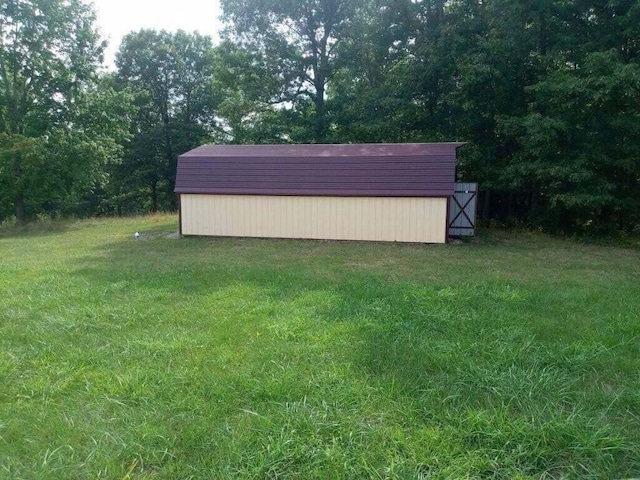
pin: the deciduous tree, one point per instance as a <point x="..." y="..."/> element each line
<point x="49" y="56"/>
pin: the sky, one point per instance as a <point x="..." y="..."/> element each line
<point x="116" y="18"/>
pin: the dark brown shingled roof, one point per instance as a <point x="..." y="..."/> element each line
<point x="405" y="170"/>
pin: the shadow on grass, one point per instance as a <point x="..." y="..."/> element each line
<point x="35" y="230"/>
<point x="406" y="328"/>
<point x="455" y="352"/>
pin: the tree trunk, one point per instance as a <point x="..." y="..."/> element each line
<point x="154" y="196"/>
<point x="320" y="133"/>
<point x="486" y="205"/>
<point x="19" y="197"/>
<point x="19" y="204"/>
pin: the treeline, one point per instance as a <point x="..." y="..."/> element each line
<point x="545" y="92"/>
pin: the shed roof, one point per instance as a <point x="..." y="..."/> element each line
<point x="407" y="170"/>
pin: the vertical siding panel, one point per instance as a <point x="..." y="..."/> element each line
<point x="437" y="216"/>
<point x="417" y="221"/>
<point x="404" y="214"/>
<point x="314" y="219"/>
<point x="421" y="219"/>
<point x="337" y="220"/>
<point x="197" y="219"/>
<point x="187" y="212"/>
<point x="343" y="218"/>
<point x="252" y="227"/>
<point x="363" y="211"/>
<point x="239" y="214"/>
<point x="264" y="214"/>
<point x="425" y="228"/>
<point x="214" y="216"/>
<point x="319" y="217"/>
<point x="380" y="206"/>
<point x="271" y="218"/>
<point x="335" y="233"/>
<point x="293" y="223"/>
<point x="258" y="214"/>
<point x="399" y="224"/>
<point x="217" y="221"/>
<point x="261" y="223"/>
<point x="359" y="225"/>
<point x="428" y="211"/>
<point x="390" y="232"/>
<point x="414" y="218"/>
<point x="201" y="217"/>
<point x="391" y="219"/>
<point x="223" y="216"/>
<point x="234" y="223"/>
<point x="243" y="214"/>
<point x="280" y="214"/>
<point x="273" y="227"/>
<point x="351" y="208"/>
<point x="277" y="216"/>
<point x="325" y="219"/>
<point x="308" y="217"/>
<point x="380" y="218"/>
<point x="362" y="225"/>
<point x="286" y="232"/>
<point x="356" y="226"/>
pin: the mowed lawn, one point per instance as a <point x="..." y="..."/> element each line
<point x="512" y="356"/>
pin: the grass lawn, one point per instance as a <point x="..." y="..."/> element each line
<point x="513" y="356"/>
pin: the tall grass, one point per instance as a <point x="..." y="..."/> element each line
<point x="513" y="356"/>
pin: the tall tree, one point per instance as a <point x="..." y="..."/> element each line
<point x="49" y="54"/>
<point x="171" y="76"/>
<point x="297" y="40"/>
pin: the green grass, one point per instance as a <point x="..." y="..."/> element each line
<point x="512" y="356"/>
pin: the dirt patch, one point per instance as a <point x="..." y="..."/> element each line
<point x="153" y="236"/>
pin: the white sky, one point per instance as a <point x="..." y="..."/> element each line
<point x="116" y="18"/>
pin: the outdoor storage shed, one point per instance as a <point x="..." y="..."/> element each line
<point x="379" y="192"/>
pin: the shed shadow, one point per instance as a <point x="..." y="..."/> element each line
<point x="384" y="316"/>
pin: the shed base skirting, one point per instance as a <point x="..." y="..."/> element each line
<point x="400" y="219"/>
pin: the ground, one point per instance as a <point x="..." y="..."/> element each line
<point x="512" y="356"/>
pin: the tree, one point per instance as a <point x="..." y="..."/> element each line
<point x="294" y="41"/>
<point x="49" y="55"/>
<point x="171" y="76"/>
<point x="544" y="92"/>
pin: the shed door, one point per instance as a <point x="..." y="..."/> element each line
<point x="462" y="210"/>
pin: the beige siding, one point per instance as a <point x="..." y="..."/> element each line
<point x="334" y="218"/>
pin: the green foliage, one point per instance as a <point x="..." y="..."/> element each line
<point x="513" y="356"/>
<point x="580" y="144"/>
<point x="57" y="125"/>
<point x="545" y="93"/>
<point x="171" y="78"/>
<point x="294" y="44"/>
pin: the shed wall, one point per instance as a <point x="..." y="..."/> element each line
<point x="402" y="219"/>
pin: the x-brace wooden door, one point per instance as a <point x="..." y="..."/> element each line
<point x="462" y="210"/>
